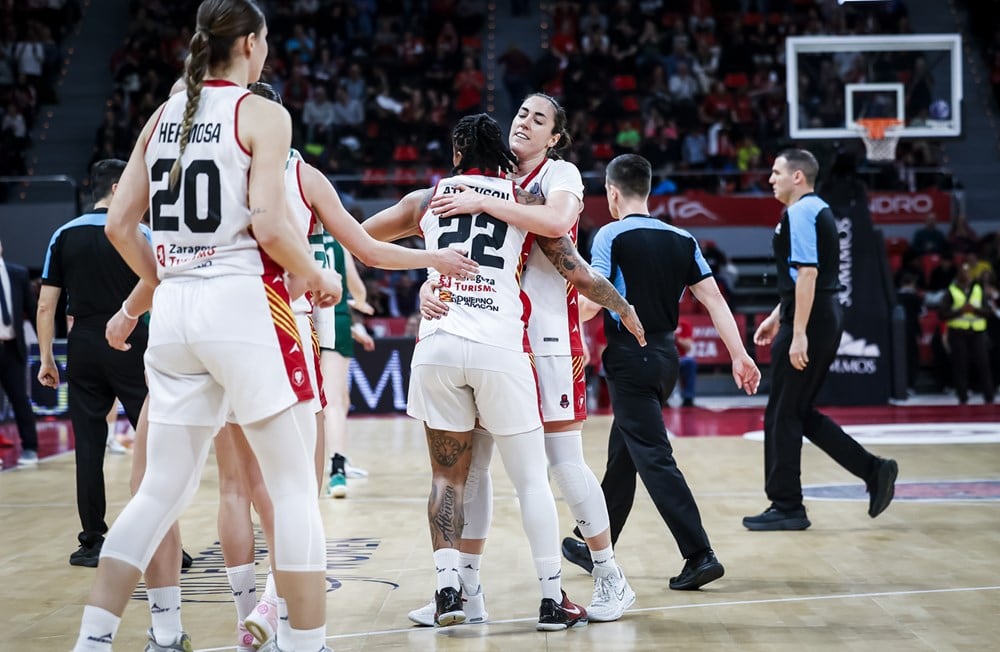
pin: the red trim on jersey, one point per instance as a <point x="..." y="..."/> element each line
<point x="236" y="120"/>
<point x="218" y="83"/>
<point x="525" y="301"/>
<point x="573" y="308"/>
<point x="152" y="132"/>
<point x="288" y="336"/>
<point x="534" y="173"/>
<point x="579" y="389"/>
<point x="481" y="173"/>
<point x="316" y="356"/>
<point x="302" y="192"/>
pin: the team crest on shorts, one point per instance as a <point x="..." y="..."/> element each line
<point x="564" y="402"/>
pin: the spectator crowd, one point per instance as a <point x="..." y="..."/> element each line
<point x="32" y="33"/>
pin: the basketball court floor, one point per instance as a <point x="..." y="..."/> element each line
<point x="925" y="575"/>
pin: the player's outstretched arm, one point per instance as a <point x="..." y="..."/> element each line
<point x="563" y="255"/>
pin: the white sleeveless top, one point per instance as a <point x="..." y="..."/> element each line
<point x="201" y="225"/>
<point x="490" y="308"/>
<point x="554" y="327"/>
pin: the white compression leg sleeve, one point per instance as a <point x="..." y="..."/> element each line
<point x="284" y="445"/>
<point x="523" y="457"/>
<point x="577" y="482"/>
<point x="478" y="501"/>
<point x="167" y="487"/>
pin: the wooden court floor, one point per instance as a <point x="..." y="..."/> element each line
<point x="923" y="576"/>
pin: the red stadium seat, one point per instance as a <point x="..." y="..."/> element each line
<point x="623" y="82"/>
<point x="630" y="104"/>
<point x="602" y="151"/>
<point x="736" y="80"/>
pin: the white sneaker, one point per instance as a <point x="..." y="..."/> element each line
<point x="424" y="616"/>
<point x="262" y="622"/>
<point x="612" y="596"/>
<point x="114" y="446"/>
<point x="474" y="607"/>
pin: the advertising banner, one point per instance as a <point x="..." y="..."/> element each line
<point x="861" y="373"/>
<point x="379" y="379"/>
<point x="699" y="209"/>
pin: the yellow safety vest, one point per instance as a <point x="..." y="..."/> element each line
<point x="967" y="321"/>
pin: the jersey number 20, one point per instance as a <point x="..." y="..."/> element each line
<point x="200" y="172"/>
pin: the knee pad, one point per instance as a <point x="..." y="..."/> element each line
<point x="572" y="480"/>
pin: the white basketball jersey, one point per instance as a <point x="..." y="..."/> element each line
<point x="304" y="217"/>
<point x="489" y="308"/>
<point x="554" y="327"/>
<point x="201" y="225"/>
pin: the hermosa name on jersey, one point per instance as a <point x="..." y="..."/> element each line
<point x="201" y="132"/>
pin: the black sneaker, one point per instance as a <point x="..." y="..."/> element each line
<point x="881" y="486"/>
<point x="448" y="607"/>
<point x="697" y="572"/>
<point x="186" y="560"/>
<point x="86" y="556"/>
<point x="773" y="518"/>
<point x="578" y="553"/>
<point x="554" y="616"/>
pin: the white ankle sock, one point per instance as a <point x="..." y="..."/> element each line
<point x="604" y="562"/>
<point x="308" y="639"/>
<point x="284" y="632"/>
<point x="243" y="582"/>
<point x="446" y="561"/>
<point x="549" y="574"/>
<point x="165" y="612"/>
<point x="468" y="571"/>
<point x="97" y="628"/>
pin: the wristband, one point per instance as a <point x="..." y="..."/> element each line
<point x="125" y="312"/>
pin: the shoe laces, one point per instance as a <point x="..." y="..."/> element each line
<point x="603" y="589"/>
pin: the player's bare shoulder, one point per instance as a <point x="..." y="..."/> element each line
<point x="259" y="115"/>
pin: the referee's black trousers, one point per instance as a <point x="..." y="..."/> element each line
<point x="791" y="411"/>
<point x="96" y="374"/>
<point x="640" y="381"/>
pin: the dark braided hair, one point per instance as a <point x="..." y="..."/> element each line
<point x="265" y="90"/>
<point x="482" y="144"/>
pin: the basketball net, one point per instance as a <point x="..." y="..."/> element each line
<point x="880" y="137"/>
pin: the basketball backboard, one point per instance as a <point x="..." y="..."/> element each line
<point x="832" y="81"/>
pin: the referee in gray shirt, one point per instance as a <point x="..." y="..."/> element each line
<point x="651" y="264"/>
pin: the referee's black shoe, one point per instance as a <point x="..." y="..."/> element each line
<point x="697" y="572"/>
<point x="881" y="486"/>
<point x="773" y="518"/>
<point x="577" y="552"/>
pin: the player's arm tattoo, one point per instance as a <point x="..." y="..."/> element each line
<point x="562" y="253"/>
<point x="425" y="201"/>
<point x="524" y="197"/>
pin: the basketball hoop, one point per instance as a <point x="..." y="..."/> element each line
<point x="880" y="136"/>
